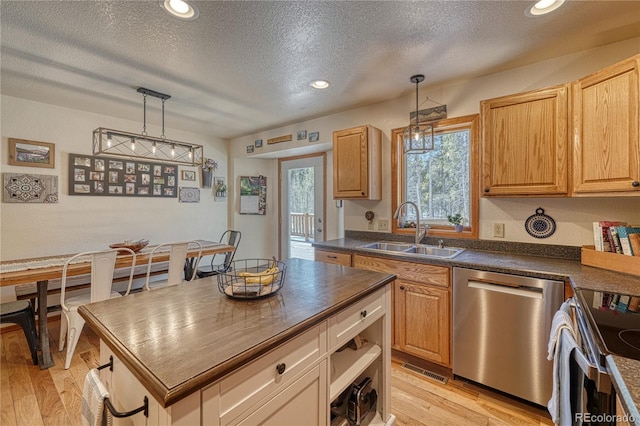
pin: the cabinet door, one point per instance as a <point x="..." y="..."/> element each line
<point x="423" y="325"/>
<point x="606" y="140"/>
<point x="302" y="403"/>
<point x="357" y="163"/>
<point x="524" y="143"/>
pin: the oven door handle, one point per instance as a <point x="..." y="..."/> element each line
<point x="590" y="367"/>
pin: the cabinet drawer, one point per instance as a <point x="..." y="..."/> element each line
<point x="246" y="386"/>
<point x="343" y="259"/>
<point x="347" y="323"/>
<point x="418" y="272"/>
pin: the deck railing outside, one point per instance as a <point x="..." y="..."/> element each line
<point x="301" y="225"/>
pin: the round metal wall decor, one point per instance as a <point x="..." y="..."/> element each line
<point x="540" y="225"/>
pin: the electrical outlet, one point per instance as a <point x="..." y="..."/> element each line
<point x="370" y="225"/>
<point x="498" y="230"/>
<point x="383" y="224"/>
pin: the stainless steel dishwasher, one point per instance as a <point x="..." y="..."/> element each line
<point x="501" y="326"/>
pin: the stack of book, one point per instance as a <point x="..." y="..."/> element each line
<point x="616" y="302"/>
<point x="616" y="237"/>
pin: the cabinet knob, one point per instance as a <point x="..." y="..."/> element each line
<point x="362" y="193"/>
<point x="363" y="314"/>
<point x="486" y="190"/>
<point x="635" y="184"/>
<point x="281" y="367"/>
<point x="401" y="287"/>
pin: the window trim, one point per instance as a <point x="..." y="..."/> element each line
<point x="397" y="163"/>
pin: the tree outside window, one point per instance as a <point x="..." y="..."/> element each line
<point x="442" y="182"/>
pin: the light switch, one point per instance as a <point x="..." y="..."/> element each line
<point x="383" y="224"/>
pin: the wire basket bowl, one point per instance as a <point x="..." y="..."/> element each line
<point x="252" y="278"/>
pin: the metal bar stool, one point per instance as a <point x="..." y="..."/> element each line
<point x="20" y="312"/>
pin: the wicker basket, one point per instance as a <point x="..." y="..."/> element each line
<point x="252" y="278"/>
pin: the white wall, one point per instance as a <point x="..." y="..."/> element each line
<point x="78" y="223"/>
<point x="573" y="216"/>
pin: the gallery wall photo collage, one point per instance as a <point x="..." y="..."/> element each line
<point x="104" y="176"/>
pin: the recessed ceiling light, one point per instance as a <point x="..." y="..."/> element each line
<point x="320" y="84"/>
<point x="542" y="7"/>
<point x="182" y="9"/>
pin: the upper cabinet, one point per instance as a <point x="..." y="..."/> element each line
<point x="540" y="143"/>
<point x="357" y="163"/>
<point x="524" y="143"/>
<point x="606" y="155"/>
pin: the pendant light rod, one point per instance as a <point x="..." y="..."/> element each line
<point x="144" y="114"/>
<point x="417" y="79"/>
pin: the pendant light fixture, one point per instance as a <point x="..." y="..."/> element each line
<point x="417" y="138"/>
<point x="131" y="145"/>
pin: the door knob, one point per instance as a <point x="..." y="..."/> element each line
<point x="635" y="184"/>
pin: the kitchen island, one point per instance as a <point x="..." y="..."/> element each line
<point x="204" y="358"/>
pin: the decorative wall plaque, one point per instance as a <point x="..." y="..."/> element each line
<point x="285" y="138"/>
<point x="28" y="188"/>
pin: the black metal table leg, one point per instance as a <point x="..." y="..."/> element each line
<point x="46" y="360"/>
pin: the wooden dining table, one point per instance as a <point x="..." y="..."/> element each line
<point x="43" y="269"/>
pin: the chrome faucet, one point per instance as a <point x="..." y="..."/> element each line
<point x="419" y="233"/>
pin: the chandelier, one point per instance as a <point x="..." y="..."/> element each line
<point x="125" y="144"/>
<point x="417" y="137"/>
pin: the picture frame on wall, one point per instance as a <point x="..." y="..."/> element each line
<point x="249" y="149"/>
<point x="28" y="153"/>
<point x="302" y="135"/>
<point x="314" y="136"/>
<point x="258" y="143"/>
<point x="188" y="175"/>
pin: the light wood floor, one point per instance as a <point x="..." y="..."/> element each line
<point x="30" y="396"/>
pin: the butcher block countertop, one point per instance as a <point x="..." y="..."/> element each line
<point x="178" y="339"/>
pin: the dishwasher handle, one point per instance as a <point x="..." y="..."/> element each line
<point x="522" y="291"/>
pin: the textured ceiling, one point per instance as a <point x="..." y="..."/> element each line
<point x="242" y="67"/>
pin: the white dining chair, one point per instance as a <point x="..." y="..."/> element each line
<point x="177" y="258"/>
<point x="102" y="268"/>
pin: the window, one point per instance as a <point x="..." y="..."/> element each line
<point x="441" y="182"/>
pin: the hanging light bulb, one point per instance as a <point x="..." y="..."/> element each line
<point x="153" y="148"/>
<point x="190" y="153"/>
<point x="417" y="139"/>
<point x="109" y="140"/>
<point x="133" y="144"/>
<point x="173" y="150"/>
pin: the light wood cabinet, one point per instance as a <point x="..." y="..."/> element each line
<point x="622" y="418"/>
<point x="421" y="311"/>
<point x="357" y="163"/>
<point x="606" y="116"/>
<point x="524" y="143"/>
<point x="422" y="321"/>
<point x="333" y="257"/>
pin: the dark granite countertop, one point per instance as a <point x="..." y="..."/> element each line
<point x="553" y="268"/>
<point x="626" y="371"/>
<point x="549" y="262"/>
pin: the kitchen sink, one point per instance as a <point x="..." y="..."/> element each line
<point x="383" y="246"/>
<point x="413" y="250"/>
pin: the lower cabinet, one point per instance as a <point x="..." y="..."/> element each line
<point x="294" y="384"/>
<point x="421" y="309"/>
<point x="422" y="321"/>
<point x="302" y="403"/>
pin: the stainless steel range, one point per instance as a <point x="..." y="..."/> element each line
<point x="614" y="319"/>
